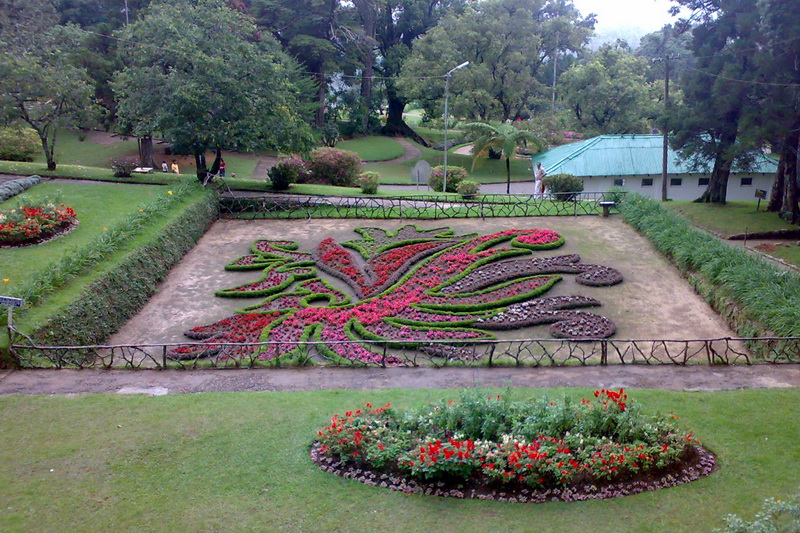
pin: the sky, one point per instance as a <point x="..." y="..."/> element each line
<point x="649" y="15"/>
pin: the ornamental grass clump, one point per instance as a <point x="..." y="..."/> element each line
<point x="598" y="447"/>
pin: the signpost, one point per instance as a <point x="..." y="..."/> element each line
<point x="421" y="173"/>
<point x="761" y="194"/>
<point x="11" y="303"/>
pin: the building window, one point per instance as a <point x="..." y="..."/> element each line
<point x="676" y="182"/>
<point x="619" y="182"/>
<point x="647" y="182"/>
<point x="702" y="181"/>
<point x="747" y="182"/>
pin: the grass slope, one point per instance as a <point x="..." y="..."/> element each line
<point x="97" y="205"/>
<point x="238" y="462"/>
<point x="373" y="148"/>
<point x="729" y="219"/>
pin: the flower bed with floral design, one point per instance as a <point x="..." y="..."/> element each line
<point x="491" y="448"/>
<point x="35" y="223"/>
<point x="412" y="286"/>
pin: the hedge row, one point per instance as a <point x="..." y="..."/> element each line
<point x="12" y="188"/>
<point x="59" y="272"/>
<point x="756" y="297"/>
<point x="107" y="303"/>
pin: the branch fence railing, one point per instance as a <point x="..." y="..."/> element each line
<point x="421" y="206"/>
<point x="522" y="352"/>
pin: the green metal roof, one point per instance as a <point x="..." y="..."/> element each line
<point x="624" y="155"/>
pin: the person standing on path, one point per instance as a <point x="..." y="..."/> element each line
<point x="538" y="181"/>
<point x="222" y="168"/>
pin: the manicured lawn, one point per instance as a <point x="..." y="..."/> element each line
<point x="97" y="205"/>
<point x="238" y="462"/>
<point x="70" y="150"/>
<point x="730" y="219"/>
<point x="87" y="173"/>
<point x="373" y="148"/>
<point x="788" y="252"/>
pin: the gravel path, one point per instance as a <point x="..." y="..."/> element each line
<point x="154" y="382"/>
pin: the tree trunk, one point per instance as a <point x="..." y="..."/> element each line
<point x="508" y="175"/>
<point x="215" y="165"/>
<point x="49" y="147"/>
<point x="717" y="191"/>
<point x="146" y="151"/>
<point x="200" y="163"/>
<point x="319" y="118"/>
<point x="367" y="11"/>
<point x="395" y="125"/>
<point x="790" y="210"/>
<point x="776" y="195"/>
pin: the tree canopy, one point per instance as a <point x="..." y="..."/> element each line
<point x="198" y="74"/>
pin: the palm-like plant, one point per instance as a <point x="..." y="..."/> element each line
<point x="503" y="137"/>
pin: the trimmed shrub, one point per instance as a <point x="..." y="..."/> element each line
<point x="107" y="303"/>
<point x="123" y="166"/>
<point x="455" y="175"/>
<point x="368" y="181"/>
<point x="290" y="169"/>
<point x="19" y="144"/>
<point x="14" y="187"/>
<point x="563" y="187"/>
<point x="331" y="166"/>
<point x="468" y="188"/>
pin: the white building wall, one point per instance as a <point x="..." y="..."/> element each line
<point x="688" y="189"/>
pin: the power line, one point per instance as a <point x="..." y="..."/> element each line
<point x="751" y="82"/>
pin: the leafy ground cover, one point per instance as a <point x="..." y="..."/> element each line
<point x="173" y="463"/>
<point x="730" y="219"/>
<point x="373" y="148"/>
<point x="787" y="252"/>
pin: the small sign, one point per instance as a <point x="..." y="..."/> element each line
<point x="421" y="172"/>
<point x="761" y="194"/>
<point x="7" y="301"/>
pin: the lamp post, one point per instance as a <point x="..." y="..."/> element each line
<point x="446" y="115"/>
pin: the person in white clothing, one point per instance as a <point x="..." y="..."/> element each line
<point x="538" y="181"/>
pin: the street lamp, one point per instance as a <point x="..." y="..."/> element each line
<point x="446" y="115"/>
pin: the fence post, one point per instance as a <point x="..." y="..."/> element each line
<point x="383" y="361"/>
<point x="491" y="354"/>
<point x="604" y="352"/>
<point x="164" y="357"/>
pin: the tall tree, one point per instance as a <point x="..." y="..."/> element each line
<point x="608" y="92"/>
<point x="717" y="91"/>
<point x="508" y="44"/>
<point x="38" y="84"/>
<point x="503" y="138"/>
<point x="197" y="74"/>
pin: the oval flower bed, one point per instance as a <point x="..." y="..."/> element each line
<point x="35" y="223"/>
<point x="491" y="448"/>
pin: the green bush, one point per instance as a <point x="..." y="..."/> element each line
<point x="563" y="187"/>
<point x="455" y="175"/>
<point x="19" y="144"/>
<point x="368" y="181"/>
<point x="107" y="303"/>
<point x="775" y="516"/>
<point x="289" y="170"/>
<point x="757" y="298"/>
<point x="123" y="166"/>
<point x="331" y="166"/>
<point x="468" y="188"/>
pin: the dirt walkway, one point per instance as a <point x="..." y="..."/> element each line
<point x="154" y="382"/>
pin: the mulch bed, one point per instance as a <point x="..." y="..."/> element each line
<point x="699" y="462"/>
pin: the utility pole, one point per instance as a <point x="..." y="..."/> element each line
<point x="447" y="116"/>
<point x="665" y="149"/>
<point x="127" y="21"/>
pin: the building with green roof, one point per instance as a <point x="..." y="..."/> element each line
<point x="634" y="162"/>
